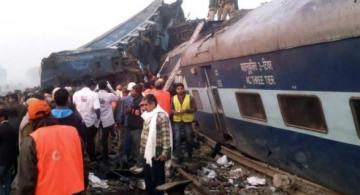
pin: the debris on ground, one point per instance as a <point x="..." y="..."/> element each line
<point x="255" y="181"/>
<point x="224" y="162"/>
<point x="236" y="173"/>
<point x="220" y="175"/>
<point x="96" y="182"/>
<point x="208" y="173"/>
<point x="283" y="181"/>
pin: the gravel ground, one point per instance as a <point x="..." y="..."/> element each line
<point x="230" y="178"/>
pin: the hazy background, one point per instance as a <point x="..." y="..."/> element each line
<point x="31" y="30"/>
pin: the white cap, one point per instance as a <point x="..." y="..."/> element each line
<point x="130" y="86"/>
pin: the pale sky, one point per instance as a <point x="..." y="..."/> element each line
<point x="32" y="29"/>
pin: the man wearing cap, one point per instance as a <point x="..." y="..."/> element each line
<point x="25" y="128"/>
<point x="51" y="158"/>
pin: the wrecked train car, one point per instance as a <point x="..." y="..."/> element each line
<point x="127" y="52"/>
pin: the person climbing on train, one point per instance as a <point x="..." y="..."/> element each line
<point x="183" y="110"/>
<point x="229" y="8"/>
<point x="215" y="8"/>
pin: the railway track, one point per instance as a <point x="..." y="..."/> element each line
<point x="299" y="185"/>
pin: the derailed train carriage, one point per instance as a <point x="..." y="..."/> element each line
<point x="125" y="53"/>
<point x="283" y="83"/>
<point x="71" y="67"/>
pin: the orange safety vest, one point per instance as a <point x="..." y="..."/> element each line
<point x="59" y="161"/>
<point x="164" y="99"/>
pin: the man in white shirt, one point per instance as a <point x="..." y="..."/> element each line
<point x="106" y="115"/>
<point x="87" y="104"/>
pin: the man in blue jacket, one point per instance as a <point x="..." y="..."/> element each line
<point x="65" y="115"/>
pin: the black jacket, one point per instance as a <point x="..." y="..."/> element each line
<point x="135" y="122"/>
<point x="8" y="144"/>
<point x="73" y="120"/>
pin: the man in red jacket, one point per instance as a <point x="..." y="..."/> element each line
<point x="163" y="97"/>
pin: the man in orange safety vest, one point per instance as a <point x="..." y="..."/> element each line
<point x="51" y="158"/>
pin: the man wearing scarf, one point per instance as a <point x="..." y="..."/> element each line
<point x="156" y="143"/>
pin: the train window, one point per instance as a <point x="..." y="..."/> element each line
<point x="303" y="111"/>
<point x="355" y="108"/>
<point x="198" y="102"/>
<point x="251" y="106"/>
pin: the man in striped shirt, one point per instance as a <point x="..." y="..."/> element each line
<point x="156" y="141"/>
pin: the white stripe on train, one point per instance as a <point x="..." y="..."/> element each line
<point x="336" y="108"/>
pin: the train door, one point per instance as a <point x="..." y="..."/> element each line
<point x="215" y="102"/>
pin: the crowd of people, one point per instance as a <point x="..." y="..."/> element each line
<point x="50" y="139"/>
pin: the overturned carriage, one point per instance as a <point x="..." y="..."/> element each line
<point x="127" y="52"/>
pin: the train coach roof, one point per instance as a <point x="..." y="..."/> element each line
<point x="278" y="25"/>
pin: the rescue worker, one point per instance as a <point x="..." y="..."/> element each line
<point x="51" y="158"/>
<point x="88" y="105"/>
<point x="163" y="97"/>
<point x="156" y="143"/>
<point x="183" y="111"/>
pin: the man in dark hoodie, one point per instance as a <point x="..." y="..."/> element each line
<point x="65" y="115"/>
